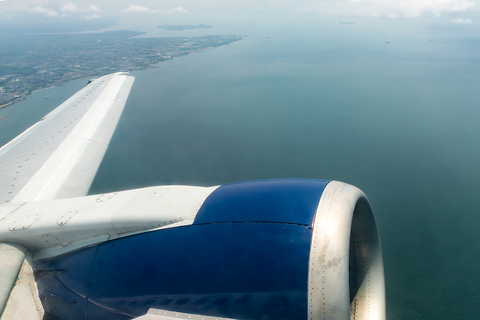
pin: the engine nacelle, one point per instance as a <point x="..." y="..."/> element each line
<point x="272" y="249"/>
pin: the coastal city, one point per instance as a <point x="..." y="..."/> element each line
<point x="56" y="59"/>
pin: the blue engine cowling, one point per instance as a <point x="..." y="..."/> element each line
<point x="273" y="249"/>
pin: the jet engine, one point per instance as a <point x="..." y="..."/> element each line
<point x="269" y="249"/>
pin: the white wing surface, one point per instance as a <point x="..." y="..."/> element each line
<point x="58" y="157"/>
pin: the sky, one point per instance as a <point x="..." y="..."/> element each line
<point x="61" y="11"/>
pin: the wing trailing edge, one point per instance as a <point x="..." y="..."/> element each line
<point x="18" y="291"/>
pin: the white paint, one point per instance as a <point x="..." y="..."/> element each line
<point x="11" y="259"/>
<point x="49" y="181"/>
<point x="24" y="302"/>
<point x="49" y="228"/>
<point x="328" y="276"/>
<point x="157" y="314"/>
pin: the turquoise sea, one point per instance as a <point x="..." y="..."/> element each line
<point x="398" y="120"/>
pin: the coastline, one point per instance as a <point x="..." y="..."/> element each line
<point x="166" y="49"/>
<point x="8" y="104"/>
<point x="42" y="89"/>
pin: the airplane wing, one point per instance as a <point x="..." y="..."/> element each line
<point x="58" y="157"/>
<point x="156" y="314"/>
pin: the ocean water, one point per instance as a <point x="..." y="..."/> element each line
<point x="397" y="119"/>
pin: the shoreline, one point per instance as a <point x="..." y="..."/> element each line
<point x="149" y="62"/>
<point x="8" y="104"/>
<point x="42" y="89"/>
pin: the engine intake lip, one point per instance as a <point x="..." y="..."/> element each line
<point x="346" y="278"/>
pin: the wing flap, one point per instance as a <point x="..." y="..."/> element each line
<point x="11" y="260"/>
<point x="18" y="291"/>
<point x="158" y="314"/>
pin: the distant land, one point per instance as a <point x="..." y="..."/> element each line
<point x="30" y="62"/>
<point x="179" y="27"/>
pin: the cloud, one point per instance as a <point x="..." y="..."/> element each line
<point x="393" y="8"/>
<point x="92" y="16"/>
<point x="134" y="8"/>
<point x="177" y="9"/>
<point x="69" y="8"/>
<point x="93" y="8"/>
<point x="48" y="11"/>
<point x="462" y="20"/>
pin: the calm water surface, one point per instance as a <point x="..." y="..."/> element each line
<point x="398" y="119"/>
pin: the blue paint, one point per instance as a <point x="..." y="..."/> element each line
<point x="288" y="201"/>
<point x="62" y="283"/>
<point x="245" y="257"/>
<point x="236" y="270"/>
